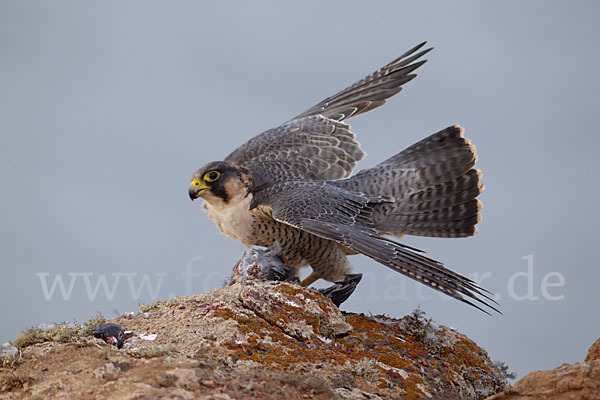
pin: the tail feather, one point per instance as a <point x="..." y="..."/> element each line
<point x="420" y="154"/>
<point x="444" y="195"/>
<point x="429" y="189"/>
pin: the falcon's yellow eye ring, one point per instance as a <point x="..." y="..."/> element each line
<point x="212" y="176"/>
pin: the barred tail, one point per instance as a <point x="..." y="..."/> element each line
<point x="429" y="189"/>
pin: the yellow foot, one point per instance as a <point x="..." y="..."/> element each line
<point x="309" y="279"/>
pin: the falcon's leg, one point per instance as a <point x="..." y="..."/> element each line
<point x="310" y="279"/>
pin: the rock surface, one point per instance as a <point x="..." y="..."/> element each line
<point x="253" y="340"/>
<point x="580" y="381"/>
<point x="594" y="352"/>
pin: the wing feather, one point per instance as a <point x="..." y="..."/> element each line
<point x="371" y="91"/>
<point x="346" y="217"/>
<point x="313" y="147"/>
<point x="316" y="144"/>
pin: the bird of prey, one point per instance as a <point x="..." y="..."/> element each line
<point x="290" y="188"/>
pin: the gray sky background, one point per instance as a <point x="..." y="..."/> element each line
<point x="107" y="108"/>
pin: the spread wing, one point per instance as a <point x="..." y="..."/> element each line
<point x="346" y="217"/>
<point x="312" y="147"/>
<point x="373" y="90"/>
<point x="316" y="144"/>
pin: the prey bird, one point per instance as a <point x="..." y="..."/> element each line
<point x="290" y="188"/>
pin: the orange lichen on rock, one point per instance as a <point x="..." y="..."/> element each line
<point x="411" y="387"/>
<point x="466" y="353"/>
<point x="264" y="340"/>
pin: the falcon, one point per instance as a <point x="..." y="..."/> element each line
<point x="290" y="188"/>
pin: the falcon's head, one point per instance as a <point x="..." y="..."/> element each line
<point x="218" y="181"/>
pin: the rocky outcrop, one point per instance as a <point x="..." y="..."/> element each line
<point x="253" y="340"/>
<point x="594" y="352"/>
<point x="580" y="381"/>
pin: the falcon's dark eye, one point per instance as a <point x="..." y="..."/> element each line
<point x="211" y="176"/>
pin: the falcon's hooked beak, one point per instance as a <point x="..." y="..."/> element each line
<point x="197" y="188"/>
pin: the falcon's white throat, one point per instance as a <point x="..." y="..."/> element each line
<point x="232" y="218"/>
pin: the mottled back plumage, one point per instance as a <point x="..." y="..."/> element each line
<point x="290" y="188"/>
<point x="312" y="147"/>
